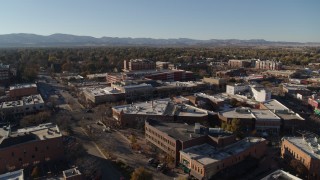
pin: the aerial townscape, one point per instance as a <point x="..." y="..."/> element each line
<point x="208" y="90"/>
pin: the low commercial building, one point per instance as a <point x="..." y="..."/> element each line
<point x="171" y="137"/>
<point x="134" y="91"/>
<point x="160" y="109"/>
<point x="304" y="149"/>
<point x="72" y="174"/>
<point x="102" y="95"/>
<point x="14" y="175"/>
<point x="259" y="93"/>
<point x="266" y="121"/>
<point x="100" y="76"/>
<point x="19" y="90"/>
<point x="29" y="146"/>
<point x="205" y="160"/>
<point x="289" y="119"/>
<point x="217" y="82"/>
<point x="28" y="104"/>
<point x="280" y="73"/>
<point x="280" y="174"/>
<point x="262" y="120"/>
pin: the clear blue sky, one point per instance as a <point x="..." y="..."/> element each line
<point x="276" y="20"/>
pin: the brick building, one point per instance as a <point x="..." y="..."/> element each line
<point x="205" y="160"/>
<point x="171" y="137"/>
<point x="134" y="115"/>
<point x="289" y="119"/>
<point x="138" y="64"/>
<point x="29" y="146"/>
<point x="262" y="120"/>
<point x="19" y="90"/>
<point x="304" y="149"/>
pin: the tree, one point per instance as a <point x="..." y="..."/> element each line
<point x="299" y="167"/>
<point x="141" y="174"/>
<point x="236" y="127"/>
<point x="35" y="172"/>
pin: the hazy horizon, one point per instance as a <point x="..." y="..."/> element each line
<point x="287" y="20"/>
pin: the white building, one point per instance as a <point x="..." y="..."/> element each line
<point x="236" y="88"/>
<point x="260" y="94"/>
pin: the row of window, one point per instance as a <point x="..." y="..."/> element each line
<point x="161" y="137"/>
<point x="156" y="141"/>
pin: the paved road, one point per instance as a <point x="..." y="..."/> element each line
<point x="108" y="171"/>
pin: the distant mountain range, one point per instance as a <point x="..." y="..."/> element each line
<point x="67" y="40"/>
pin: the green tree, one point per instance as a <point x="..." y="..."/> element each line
<point x="141" y="174"/>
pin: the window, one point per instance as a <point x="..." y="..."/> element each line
<point x="12" y="154"/>
<point x="32" y="156"/>
<point x="47" y="147"/>
<point x="217" y="167"/>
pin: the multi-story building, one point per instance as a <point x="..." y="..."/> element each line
<point x="29" y="146"/>
<point x="268" y="65"/>
<point x="280" y="174"/>
<point x="260" y="94"/>
<point x="4" y="73"/>
<point x="163" y="65"/>
<point x="217" y="82"/>
<point x="160" y="109"/>
<point x="115" y="77"/>
<point x="205" y="160"/>
<point x="138" y="65"/>
<point x="304" y="149"/>
<point x="289" y="119"/>
<point x="171" y="137"/>
<point x="134" y="91"/>
<point x="237" y="88"/>
<point x="28" y="104"/>
<point x="102" y="95"/>
<point x="263" y="120"/>
<point x="236" y="63"/>
<point x="14" y="175"/>
<point x="19" y="90"/>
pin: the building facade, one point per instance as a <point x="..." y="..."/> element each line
<point x="304" y="149"/>
<point x="19" y="90"/>
<point x="204" y="160"/>
<point x="29" y="146"/>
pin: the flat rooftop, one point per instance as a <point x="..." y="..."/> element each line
<point x="187" y="110"/>
<point x="264" y="114"/>
<point x="273" y="104"/>
<point x="26" y="100"/>
<point x="14" y="175"/>
<point x="179" y="131"/>
<point x="102" y="91"/>
<point x="71" y="172"/>
<point x="210" y="97"/>
<point x="22" y="86"/>
<point x="308" y="145"/>
<point x="281" y="110"/>
<point x="280" y="175"/>
<point x="40" y="132"/>
<point x="241" y="113"/>
<point x="155" y="107"/>
<point x="207" y="154"/>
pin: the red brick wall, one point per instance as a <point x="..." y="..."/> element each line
<point x="27" y="154"/>
<point x="14" y="93"/>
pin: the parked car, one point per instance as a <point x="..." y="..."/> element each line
<point x="160" y="166"/>
<point x="150" y="161"/>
